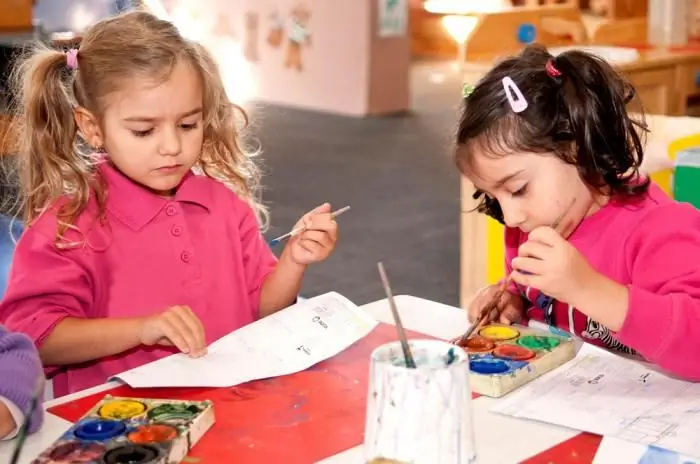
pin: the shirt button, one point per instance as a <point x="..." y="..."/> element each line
<point x="171" y="210"/>
<point x="185" y="257"/>
<point x="176" y="231"/>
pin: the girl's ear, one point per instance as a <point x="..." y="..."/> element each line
<point x="88" y="127"/>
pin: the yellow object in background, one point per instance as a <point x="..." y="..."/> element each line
<point x="664" y="178"/>
<point x="495" y="251"/>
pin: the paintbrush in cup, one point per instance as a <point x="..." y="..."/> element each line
<point x="410" y="362"/>
<point x="301" y="229"/>
<point x="494" y="303"/>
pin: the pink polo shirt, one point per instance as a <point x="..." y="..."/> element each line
<point x="202" y="249"/>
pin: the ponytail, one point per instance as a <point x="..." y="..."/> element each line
<point x="50" y="165"/>
<point x="593" y="101"/>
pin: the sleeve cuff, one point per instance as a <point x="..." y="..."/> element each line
<point x="38" y="331"/>
<point x="16" y="414"/>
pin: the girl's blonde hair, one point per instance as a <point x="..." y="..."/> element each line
<point x="53" y="161"/>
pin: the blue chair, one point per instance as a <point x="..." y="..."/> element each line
<point x="10" y="230"/>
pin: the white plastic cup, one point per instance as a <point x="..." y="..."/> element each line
<point x="421" y="415"/>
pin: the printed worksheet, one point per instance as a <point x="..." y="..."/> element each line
<point x="613" y="396"/>
<point x="286" y="342"/>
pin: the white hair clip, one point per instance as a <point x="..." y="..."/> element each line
<point x="515" y="97"/>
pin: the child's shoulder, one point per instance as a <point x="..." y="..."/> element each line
<point x="658" y="222"/>
<point x="52" y="234"/>
<point x="657" y="211"/>
<point x="47" y="224"/>
<point x="665" y="234"/>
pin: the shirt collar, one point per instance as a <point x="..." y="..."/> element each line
<point x="138" y="206"/>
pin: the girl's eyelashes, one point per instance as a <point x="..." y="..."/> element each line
<point x="189" y="126"/>
<point x="520" y="192"/>
<point x="142" y="133"/>
<point x="147" y="132"/>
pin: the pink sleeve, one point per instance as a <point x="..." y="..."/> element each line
<point x="663" y="318"/>
<point x="513" y="239"/>
<point x="45" y="286"/>
<point x="258" y="259"/>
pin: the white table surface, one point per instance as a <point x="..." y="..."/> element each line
<point x="525" y="438"/>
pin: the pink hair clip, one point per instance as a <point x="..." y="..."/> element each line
<point x="515" y="97"/>
<point x="72" y="58"/>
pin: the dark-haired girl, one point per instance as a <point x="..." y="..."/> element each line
<point x="592" y="246"/>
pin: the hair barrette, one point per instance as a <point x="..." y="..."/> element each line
<point x="72" y="58"/>
<point x="467" y="90"/>
<point x="515" y="97"/>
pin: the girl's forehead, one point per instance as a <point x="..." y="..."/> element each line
<point x="180" y="91"/>
<point x="487" y="168"/>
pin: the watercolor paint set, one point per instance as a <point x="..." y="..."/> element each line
<point x="132" y="430"/>
<point x="503" y="358"/>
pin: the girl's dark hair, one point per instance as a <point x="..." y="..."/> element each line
<point x="578" y="112"/>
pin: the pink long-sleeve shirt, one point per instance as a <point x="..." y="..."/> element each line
<point x="202" y="248"/>
<point x="652" y="247"/>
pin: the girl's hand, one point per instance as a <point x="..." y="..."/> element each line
<point x="510" y="308"/>
<point x="7" y="422"/>
<point x="177" y="326"/>
<point x="555" y="267"/>
<point x="317" y="242"/>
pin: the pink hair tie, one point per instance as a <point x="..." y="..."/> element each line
<point x="551" y="70"/>
<point x="72" y="58"/>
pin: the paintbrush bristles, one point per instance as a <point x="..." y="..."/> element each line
<point x="410" y="363"/>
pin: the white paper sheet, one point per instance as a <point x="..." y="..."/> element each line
<point x="288" y="341"/>
<point x="613" y="396"/>
<point x="52" y="429"/>
<point x="616" y="451"/>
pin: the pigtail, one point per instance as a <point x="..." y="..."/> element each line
<point x="45" y="127"/>
<point x="224" y="155"/>
<point x="50" y="165"/>
<point x="593" y="103"/>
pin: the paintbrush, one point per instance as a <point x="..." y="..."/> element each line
<point x="410" y="363"/>
<point x="495" y="301"/>
<point x="298" y="230"/>
<point x="485" y="312"/>
<point x="24" y="429"/>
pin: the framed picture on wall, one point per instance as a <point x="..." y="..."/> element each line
<point x="392" y="18"/>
